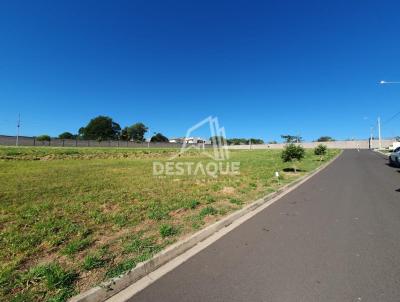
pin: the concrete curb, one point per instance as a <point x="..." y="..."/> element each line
<point x="115" y="285"/>
<point x="381" y="153"/>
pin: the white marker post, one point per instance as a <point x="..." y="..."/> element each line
<point x="277" y="177"/>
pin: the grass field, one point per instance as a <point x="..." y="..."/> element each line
<point x="73" y="217"/>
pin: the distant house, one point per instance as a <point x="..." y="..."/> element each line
<point x="176" y="140"/>
<point x="188" y="140"/>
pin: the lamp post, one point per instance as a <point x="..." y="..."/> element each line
<point x="383" y="82"/>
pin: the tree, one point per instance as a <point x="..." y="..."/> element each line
<point x="43" y="138"/>
<point x="66" y="135"/>
<point x="292" y="138"/>
<point x="272" y="142"/>
<point x="325" y="139"/>
<point x="292" y="153"/>
<point x="256" y="141"/>
<point x="219" y="140"/>
<point x="124" y="134"/>
<point x="101" y="128"/>
<point x="320" y="150"/>
<point x="159" y="138"/>
<point x="136" y="132"/>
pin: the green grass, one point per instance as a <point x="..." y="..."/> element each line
<point x="167" y="230"/>
<point x="73" y="217"/>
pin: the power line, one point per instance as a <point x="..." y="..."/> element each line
<point x="391" y="118"/>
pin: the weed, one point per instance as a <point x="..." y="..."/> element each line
<point x="208" y="211"/>
<point x="93" y="261"/>
<point x="167" y="230"/>
<point x="191" y="204"/>
<point x="157" y="211"/>
<point x="76" y="246"/>
<point x="235" y="201"/>
<point x="121" y="268"/>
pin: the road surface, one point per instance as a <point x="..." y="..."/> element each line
<point x="334" y="238"/>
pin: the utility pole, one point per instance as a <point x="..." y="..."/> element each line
<point x="18" y="126"/>
<point x="379" y="133"/>
<point x="371" y="138"/>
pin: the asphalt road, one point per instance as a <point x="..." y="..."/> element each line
<point x="335" y="238"/>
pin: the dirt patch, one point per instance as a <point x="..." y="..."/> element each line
<point x="228" y="190"/>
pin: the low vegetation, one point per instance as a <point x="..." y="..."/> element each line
<point x="293" y="154"/>
<point x="71" y="218"/>
<point x="321" y="151"/>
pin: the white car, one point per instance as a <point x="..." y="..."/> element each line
<point x="394" y="157"/>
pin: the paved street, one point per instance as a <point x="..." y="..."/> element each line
<point x="335" y="238"/>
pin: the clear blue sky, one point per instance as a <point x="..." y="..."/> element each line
<point x="265" y="68"/>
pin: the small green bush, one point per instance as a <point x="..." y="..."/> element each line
<point x="293" y="153"/>
<point x="320" y="150"/>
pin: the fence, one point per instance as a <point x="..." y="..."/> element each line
<point x="56" y="142"/>
<point x="362" y="144"/>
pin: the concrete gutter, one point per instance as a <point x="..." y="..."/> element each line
<point x="115" y="285"/>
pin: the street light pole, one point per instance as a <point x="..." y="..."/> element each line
<point x="379" y="119"/>
<point x="379" y="133"/>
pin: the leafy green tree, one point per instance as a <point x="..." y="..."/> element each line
<point x="66" y="135"/>
<point x="43" y="138"/>
<point x="101" y="128"/>
<point x="124" y="134"/>
<point x="218" y="140"/>
<point x="291" y="138"/>
<point x="159" y="138"/>
<point x="325" y="139"/>
<point x="256" y="141"/>
<point x="321" y="150"/>
<point x="293" y="153"/>
<point x="272" y="142"/>
<point x="136" y="132"/>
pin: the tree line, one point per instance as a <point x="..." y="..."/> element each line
<point x="102" y="128"/>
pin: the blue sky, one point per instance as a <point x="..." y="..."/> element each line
<point x="264" y="68"/>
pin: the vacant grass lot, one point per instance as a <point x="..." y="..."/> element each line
<point x="73" y="217"/>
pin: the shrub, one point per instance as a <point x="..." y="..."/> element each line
<point x="320" y="150"/>
<point x="293" y="153"/>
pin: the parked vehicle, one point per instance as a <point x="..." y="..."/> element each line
<point x="394" y="146"/>
<point x="394" y="157"/>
